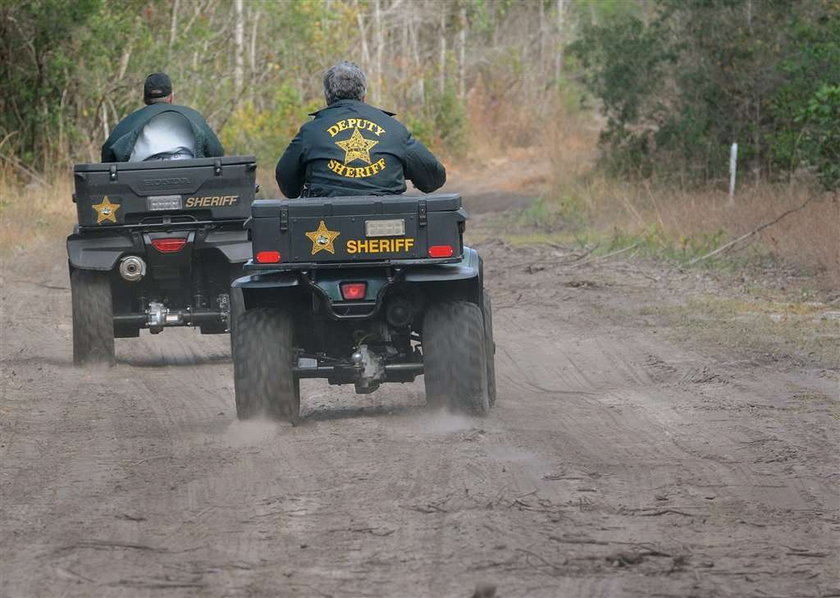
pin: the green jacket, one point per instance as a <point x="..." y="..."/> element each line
<point x="352" y="148"/>
<point x="120" y="143"/>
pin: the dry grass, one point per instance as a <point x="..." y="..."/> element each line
<point x="34" y="212"/>
<point x="809" y="238"/>
<point x="589" y="207"/>
<point x="805" y="331"/>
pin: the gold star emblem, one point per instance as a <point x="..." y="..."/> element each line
<point x="106" y="211"/>
<point x="322" y="238"/>
<point x="357" y="147"/>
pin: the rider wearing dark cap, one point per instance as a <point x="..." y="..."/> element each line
<point x="352" y="148"/>
<point x="161" y="130"/>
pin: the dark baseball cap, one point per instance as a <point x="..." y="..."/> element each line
<point x="157" y="85"/>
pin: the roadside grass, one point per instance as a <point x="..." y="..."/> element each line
<point x="604" y="216"/>
<point x="34" y="212"/>
<point x="807" y="331"/>
<point x="582" y="207"/>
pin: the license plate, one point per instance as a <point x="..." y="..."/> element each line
<point x="157" y="203"/>
<point x="307" y="363"/>
<point x="385" y="228"/>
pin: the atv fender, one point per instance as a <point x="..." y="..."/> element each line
<point x="97" y="253"/>
<point x="459" y="281"/>
<point x="258" y="287"/>
<point x="233" y="244"/>
<point x="267" y="280"/>
<point x="469" y="267"/>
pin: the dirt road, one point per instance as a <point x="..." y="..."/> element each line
<point x="616" y="463"/>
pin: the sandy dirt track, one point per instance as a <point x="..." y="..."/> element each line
<point x="616" y="463"/>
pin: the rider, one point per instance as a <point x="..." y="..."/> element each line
<point x="161" y="130"/>
<point x="352" y="148"/>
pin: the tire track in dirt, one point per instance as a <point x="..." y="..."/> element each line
<point x="615" y="463"/>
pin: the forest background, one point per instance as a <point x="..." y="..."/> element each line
<point x="632" y="104"/>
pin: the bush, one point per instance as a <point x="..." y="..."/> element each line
<point x="682" y="85"/>
<point x="821" y="134"/>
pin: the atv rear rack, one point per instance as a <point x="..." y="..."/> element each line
<point x="191" y="224"/>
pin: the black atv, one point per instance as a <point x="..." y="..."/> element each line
<point x="362" y="290"/>
<point x="157" y="244"/>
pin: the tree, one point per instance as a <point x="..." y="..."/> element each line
<point x="680" y="87"/>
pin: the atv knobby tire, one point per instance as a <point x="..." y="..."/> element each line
<point x="93" y="317"/>
<point x="454" y="357"/>
<point x="264" y="382"/>
<point x="236" y="306"/>
<point x="489" y="347"/>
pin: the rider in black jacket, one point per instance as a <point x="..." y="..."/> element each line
<point x="352" y="148"/>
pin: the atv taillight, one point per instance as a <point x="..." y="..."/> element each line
<point x="353" y="291"/>
<point x="170" y="245"/>
<point x="441" y="251"/>
<point x="268" y="257"/>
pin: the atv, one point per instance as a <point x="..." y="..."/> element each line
<point x="157" y="244"/>
<point x="362" y="291"/>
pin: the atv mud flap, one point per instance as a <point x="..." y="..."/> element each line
<point x="98" y="252"/>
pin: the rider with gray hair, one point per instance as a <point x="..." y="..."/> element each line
<point x="352" y="148"/>
<point x="344" y="81"/>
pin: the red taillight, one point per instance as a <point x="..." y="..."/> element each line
<point x="268" y="257"/>
<point x="441" y="251"/>
<point x="353" y="291"/>
<point x="169" y="245"/>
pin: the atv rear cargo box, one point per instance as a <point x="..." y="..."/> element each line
<point x="359" y="229"/>
<point x="122" y="193"/>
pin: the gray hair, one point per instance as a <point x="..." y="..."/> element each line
<point x="344" y="81"/>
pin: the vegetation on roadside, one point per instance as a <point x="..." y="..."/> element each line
<point x="666" y="85"/>
<point x="607" y="216"/>
<point x="681" y="80"/>
<point x="769" y="328"/>
<point x="676" y="83"/>
<point x="70" y="70"/>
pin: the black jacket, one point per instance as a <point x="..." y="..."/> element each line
<point x="120" y="143"/>
<point x="352" y="148"/>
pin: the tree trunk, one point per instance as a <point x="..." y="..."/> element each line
<point x="239" y="40"/>
<point x="420" y="92"/>
<point x="379" y="42"/>
<point x="561" y="39"/>
<point x="124" y="59"/>
<point x="252" y="64"/>
<point x="173" y="26"/>
<point x="462" y="54"/>
<point x="360" y="20"/>
<point x="442" y="58"/>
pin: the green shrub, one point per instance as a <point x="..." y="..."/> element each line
<point x="682" y="83"/>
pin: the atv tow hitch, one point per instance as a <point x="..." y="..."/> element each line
<point x="157" y="318"/>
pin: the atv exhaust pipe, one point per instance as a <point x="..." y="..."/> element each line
<point x="132" y="268"/>
<point x="399" y="313"/>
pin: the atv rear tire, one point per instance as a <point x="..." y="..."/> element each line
<point x="454" y="357"/>
<point x="236" y="307"/>
<point x="489" y="347"/>
<point x="93" y="317"/>
<point x="263" y="373"/>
